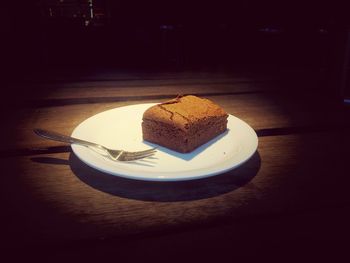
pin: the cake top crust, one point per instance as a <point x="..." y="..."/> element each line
<point x="184" y="111"/>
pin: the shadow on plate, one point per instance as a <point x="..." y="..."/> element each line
<point x="167" y="191"/>
<point x="191" y="155"/>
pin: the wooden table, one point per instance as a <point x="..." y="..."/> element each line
<point x="293" y="193"/>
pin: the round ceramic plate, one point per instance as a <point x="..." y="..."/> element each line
<point x="120" y="128"/>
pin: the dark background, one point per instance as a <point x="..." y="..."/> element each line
<point x="184" y="33"/>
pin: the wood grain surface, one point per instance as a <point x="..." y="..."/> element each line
<point x="299" y="173"/>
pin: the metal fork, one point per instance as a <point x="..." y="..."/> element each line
<point x="115" y="155"/>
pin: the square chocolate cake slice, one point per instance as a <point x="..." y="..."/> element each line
<point x="184" y="123"/>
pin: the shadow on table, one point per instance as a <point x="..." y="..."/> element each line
<point x="50" y="160"/>
<point x="166" y="191"/>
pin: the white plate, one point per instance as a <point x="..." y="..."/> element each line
<point x="120" y="128"/>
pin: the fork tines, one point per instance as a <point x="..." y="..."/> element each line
<point x="131" y="156"/>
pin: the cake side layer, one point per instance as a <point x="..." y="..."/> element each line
<point x="165" y="135"/>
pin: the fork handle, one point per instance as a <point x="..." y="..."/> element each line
<point x="62" y="138"/>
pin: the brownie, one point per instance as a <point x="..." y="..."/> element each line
<point x="184" y="123"/>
